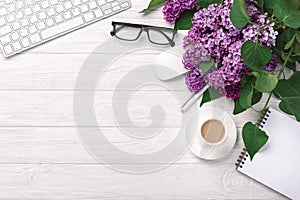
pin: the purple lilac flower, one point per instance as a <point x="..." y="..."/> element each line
<point x="271" y="66"/>
<point x="194" y="54"/>
<point x="173" y="8"/>
<point x="215" y="79"/>
<point x="194" y="80"/>
<point x="233" y="91"/>
<point x="213" y="35"/>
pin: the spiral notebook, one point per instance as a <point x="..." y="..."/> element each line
<point x="277" y="164"/>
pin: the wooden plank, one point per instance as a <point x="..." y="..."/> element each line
<point x="54" y="108"/>
<point x="63" y="145"/>
<point x="94" y="181"/>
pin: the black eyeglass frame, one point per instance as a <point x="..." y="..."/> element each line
<point x="145" y="28"/>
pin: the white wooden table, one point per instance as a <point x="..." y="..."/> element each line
<point x="41" y="156"/>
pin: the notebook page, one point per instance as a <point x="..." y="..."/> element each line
<point x="277" y="165"/>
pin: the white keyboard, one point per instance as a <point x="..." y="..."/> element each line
<point x="28" y="23"/>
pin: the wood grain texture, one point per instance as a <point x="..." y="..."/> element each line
<point x="41" y="154"/>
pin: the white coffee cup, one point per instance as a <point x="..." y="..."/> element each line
<point x="207" y="141"/>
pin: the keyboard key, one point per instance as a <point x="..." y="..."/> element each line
<point x="8" y="50"/>
<point x="19" y="15"/>
<point x="45" y="4"/>
<point x="101" y="2"/>
<point x="84" y="8"/>
<point x="67" y="15"/>
<point x="75" y="12"/>
<point x="50" y="22"/>
<point x="11" y="8"/>
<point x="33" y="19"/>
<point x="3" y="11"/>
<point x="5" y="40"/>
<point x="98" y="13"/>
<point x="50" y="12"/>
<point x="24" y="22"/>
<point x="10" y="18"/>
<point x="5" y="30"/>
<point x="89" y="17"/>
<point x="15" y="36"/>
<point x="124" y="5"/>
<point x="19" y="4"/>
<point x="32" y="29"/>
<point x="108" y="11"/>
<point x="28" y="2"/>
<point x="2" y="22"/>
<point x="59" y="8"/>
<point x="76" y="2"/>
<point x="25" y="42"/>
<point x="65" y="26"/>
<point x="114" y="4"/>
<point x="17" y="46"/>
<point x="16" y="26"/>
<point x="42" y="15"/>
<point x="68" y="5"/>
<point x="58" y="19"/>
<point x="24" y="32"/>
<point x="116" y="8"/>
<point x="35" y="38"/>
<point x="27" y="11"/>
<point x="53" y="2"/>
<point x="36" y="8"/>
<point x="41" y="25"/>
<point x="93" y="5"/>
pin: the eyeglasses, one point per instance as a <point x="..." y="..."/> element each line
<point x="131" y="32"/>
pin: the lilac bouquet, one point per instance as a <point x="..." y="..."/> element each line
<point x="247" y="45"/>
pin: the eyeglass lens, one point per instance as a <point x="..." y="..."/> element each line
<point x="160" y="36"/>
<point x="127" y="33"/>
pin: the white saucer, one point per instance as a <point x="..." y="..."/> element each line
<point x="202" y="149"/>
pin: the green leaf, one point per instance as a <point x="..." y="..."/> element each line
<point x="289" y="93"/>
<point x="295" y="4"/>
<point x="255" y="99"/>
<point x="268" y="6"/>
<point x="284" y="37"/>
<point x="288" y="88"/>
<point x="209" y="95"/>
<point x="255" y="56"/>
<point x="237" y="107"/>
<point x="284" y="11"/>
<point x="246" y="95"/>
<point x="291" y="106"/>
<point x="152" y="5"/>
<point x="205" y="66"/>
<point x="265" y="81"/>
<point x="291" y="65"/>
<point x="298" y="38"/>
<point x="260" y="4"/>
<point x="254" y="138"/>
<point x="206" y="3"/>
<point x="290" y="43"/>
<point x="238" y="14"/>
<point x="184" y="22"/>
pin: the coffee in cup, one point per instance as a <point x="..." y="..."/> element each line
<point x="213" y="131"/>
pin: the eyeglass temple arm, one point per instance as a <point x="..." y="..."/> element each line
<point x="172" y="43"/>
<point x="113" y="32"/>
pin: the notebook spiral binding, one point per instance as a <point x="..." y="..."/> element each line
<point x="260" y="124"/>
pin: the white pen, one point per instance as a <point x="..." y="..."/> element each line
<point x="193" y="99"/>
